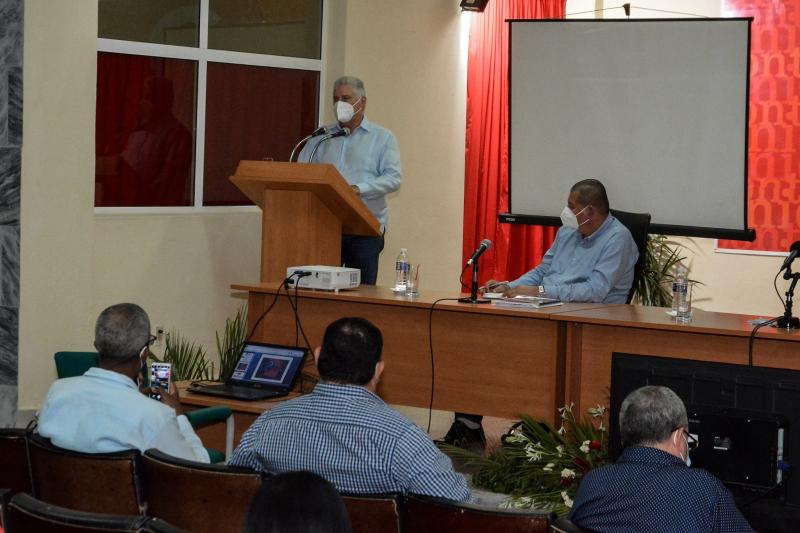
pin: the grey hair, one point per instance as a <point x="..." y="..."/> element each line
<point x="592" y="192"/>
<point x="649" y="415"/>
<point x="351" y="81"/>
<point x="121" y="331"/>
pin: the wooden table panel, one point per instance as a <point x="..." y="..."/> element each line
<point x="488" y="360"/>
<point x="594" y="334"/>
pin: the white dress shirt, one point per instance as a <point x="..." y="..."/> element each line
<point x="103" y="411"/>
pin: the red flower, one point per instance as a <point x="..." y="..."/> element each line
<point x="580" y="462"/>
<point x="566" y="481"/>
<point x="595" y="445"/>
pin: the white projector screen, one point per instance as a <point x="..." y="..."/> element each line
<point x="655" y="109"/>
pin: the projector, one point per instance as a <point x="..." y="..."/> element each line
<point x="325" y="277"/>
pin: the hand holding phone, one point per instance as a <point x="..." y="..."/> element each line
<point x="160" y="378"/>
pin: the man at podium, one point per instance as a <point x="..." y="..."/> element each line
<point x="369" y="159"/>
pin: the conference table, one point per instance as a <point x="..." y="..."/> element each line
<point x="498" y="361"/>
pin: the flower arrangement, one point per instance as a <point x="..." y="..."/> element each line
<point x="539" y="466"/>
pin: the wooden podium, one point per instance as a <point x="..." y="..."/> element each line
<point x="306" y="207"/>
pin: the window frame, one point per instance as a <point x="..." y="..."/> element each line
<point x="203" y="55"/>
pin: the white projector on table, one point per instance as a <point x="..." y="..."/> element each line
<point x="325" y="277"/>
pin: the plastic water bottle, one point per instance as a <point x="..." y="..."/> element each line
<point x="680" y="286"/>
<point x="401" y="271"/>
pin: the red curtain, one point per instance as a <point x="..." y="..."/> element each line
<point x="516" y="248"/>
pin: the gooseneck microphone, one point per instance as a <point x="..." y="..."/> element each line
<point x="473" y="293"/>
<point x="344" y="132"/>
<point x="794" y="250"/>
<point x="485" y="245"/>
<point x="322" y="130"/>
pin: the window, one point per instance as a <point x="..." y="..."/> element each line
<point x="188" y="88"/>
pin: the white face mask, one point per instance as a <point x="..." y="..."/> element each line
<point x="345" y="111"/>
<point x="570" y="219"/>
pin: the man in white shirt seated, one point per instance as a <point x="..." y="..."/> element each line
<point x="104" y="411"/>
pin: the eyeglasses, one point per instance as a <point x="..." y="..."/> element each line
<point x="691" y="442"/>
<point x="150" y="340"/>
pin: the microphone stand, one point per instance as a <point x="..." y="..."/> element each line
<point x="787" y="321"/>
<point x="473" y="295"/>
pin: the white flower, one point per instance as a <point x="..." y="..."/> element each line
<point x="566" y="410"/>
<point x="561" y="430"/>
<point x="567" y="500"/>
<point x="602" y="427"/>
<point x="522" y="502"/>
<point x="516" y="437"/>
<point x="532" y="453"/>
<point x="567" y="474"/>
<point x="549" y="467"/>
<point x="597" y="411"/>
<point x="585" y="446"/>
<point x="560" y="450"/>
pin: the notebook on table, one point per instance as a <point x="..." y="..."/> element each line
<point x="263" y="371"/>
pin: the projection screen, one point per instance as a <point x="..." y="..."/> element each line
<point x="655" y="109"/>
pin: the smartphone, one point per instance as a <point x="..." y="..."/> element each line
<point x="160" y="375"/>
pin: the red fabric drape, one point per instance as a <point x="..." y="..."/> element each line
<point x="516" y="248"/>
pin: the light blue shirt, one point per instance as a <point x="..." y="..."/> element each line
<point x="597" y="268"/>
<point x="103" y="411"/>
<point x="349" y="436"/>
<point x="369" y="157"/>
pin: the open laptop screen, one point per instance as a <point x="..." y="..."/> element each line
<point x="268" y="365"/>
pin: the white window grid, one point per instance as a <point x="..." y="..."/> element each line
<point x="203" y="55"/>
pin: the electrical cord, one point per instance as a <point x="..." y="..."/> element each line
<point x="430" y="345"/>
<point x="753" y="338"/>
<point x="761" y="325"/>
<point x="461" y="279"/>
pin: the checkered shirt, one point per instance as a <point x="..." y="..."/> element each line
<point x="351" y="437"/>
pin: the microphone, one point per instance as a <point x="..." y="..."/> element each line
<point x="322" y="130"/>
<point x="344" y="132"/>
<point x="794" y="250"/>
<point x="485" y="245"/>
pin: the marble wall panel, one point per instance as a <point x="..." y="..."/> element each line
<point x="9" y="185"/>
<point x="4" y="90"/>
<point x="14" y="107"/>
<point x="9" y="343"/>
<point x="11" y="13"/>
<point x="8" y="405"/>
<point x="9" y="266"/>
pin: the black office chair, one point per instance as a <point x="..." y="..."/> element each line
<point x="639" y="226"/>
<point x="24" y="513"/>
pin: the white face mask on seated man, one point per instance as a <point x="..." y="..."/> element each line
<point x="570" y="219"/>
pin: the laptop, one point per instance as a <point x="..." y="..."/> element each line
<point x="263" y="371"/>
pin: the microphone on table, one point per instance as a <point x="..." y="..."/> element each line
<point x="794" y="250"/>
<point x="473" y="293"/>
<point x="344" y="132"/>
<point x="322" y="130"/>
<point x="485" y="245"/>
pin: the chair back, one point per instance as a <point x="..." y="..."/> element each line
<point x="24" y="514"/>
<point x="14" y="462"/>
<point x="71" y="364"/>
<point x="197" y="496"/>
<point x="639" y="226"/>
<point x="435" y="515"/>
<point x="374" y="512"/>
<point x="565" y="525"/>
<point x="91" y="482"/>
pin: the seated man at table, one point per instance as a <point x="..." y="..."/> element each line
<point x="651" y="486"/>
<point x="344" y="432"/>
<point x="103" y="410"/>
<point x="591" y="260"/>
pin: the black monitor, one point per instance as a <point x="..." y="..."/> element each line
<point x="747" y="419"/>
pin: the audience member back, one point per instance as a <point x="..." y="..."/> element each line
<point x="297" y="502"/>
